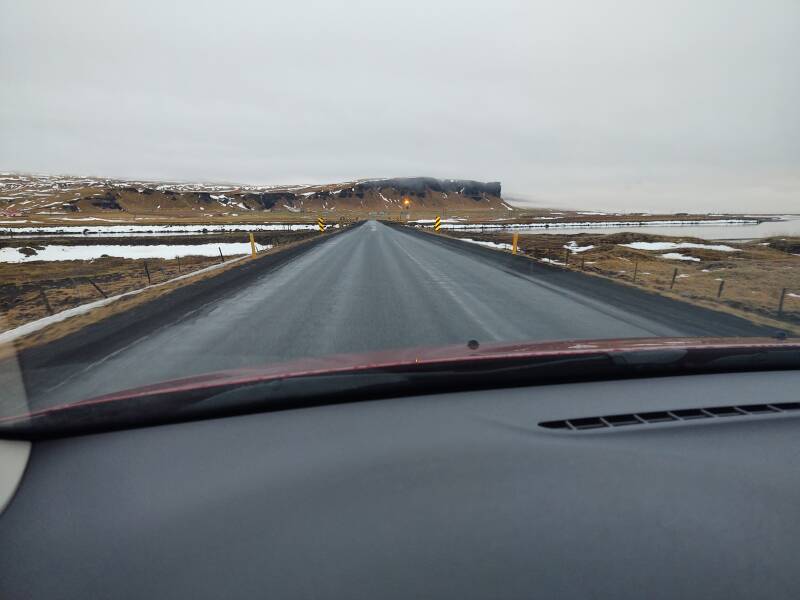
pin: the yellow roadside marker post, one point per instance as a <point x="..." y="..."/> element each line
<point x="252" y="245"/>
<point x="437" y="224"/>
<point x="321" y="224"/>
<point x="514" y="240"/>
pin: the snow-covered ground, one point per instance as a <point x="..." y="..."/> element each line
<point x="430" y="221"/>
<point x="595" y="224"/>
<point x="678" y="245"/>
<point x="678" y="256"/>
<point x="127" y="230"/>
<point x="573" y="247"/>
<point x="145" y="234"/>
<point x="499" y="246"/>
<point x="14" y="185"/>
<point x="91" y="252"/>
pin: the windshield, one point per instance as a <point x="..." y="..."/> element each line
<point x="195" y="190"/>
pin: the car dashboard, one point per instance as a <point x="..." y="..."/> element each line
<point x="514" y="493"/>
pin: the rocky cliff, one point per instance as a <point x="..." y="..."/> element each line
<point x="36" y="194"/>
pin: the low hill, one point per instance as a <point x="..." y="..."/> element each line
<point x="30" y="195"/>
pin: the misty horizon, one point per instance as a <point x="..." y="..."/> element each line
<point x="621" y="106"/>
<point x="519" y="201"/>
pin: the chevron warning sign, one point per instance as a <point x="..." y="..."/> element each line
<point x="437" y="224"/>
<point x="321" y="224"/>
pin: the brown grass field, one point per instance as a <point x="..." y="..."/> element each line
<point x="190" y="216"/>
<point x="29" y="291"/>
<point x="754" y="278"/>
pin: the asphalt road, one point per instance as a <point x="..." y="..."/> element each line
<point x="377" y="287"/>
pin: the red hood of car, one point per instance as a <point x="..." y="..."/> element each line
<point x="351" y="363"/>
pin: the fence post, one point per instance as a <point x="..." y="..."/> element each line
<point x="635" y="269"/>
<point x="221" y="258"/>
<point x="674" y="275"/>
<point x="46" y="302"/>
<point x="780" y="303"/>
<point x="14" y="295"/>
<point x="178" y="258"/>
<point x="147" y="272"/>
<point x="77" y="290"/>
<point x="721" y="287"/>
<point x="566" y="257"/>
<point x="95" y="286"/>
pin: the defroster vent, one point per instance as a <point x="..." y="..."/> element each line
<point x="664" y="416"/>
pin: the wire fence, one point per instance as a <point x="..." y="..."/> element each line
<point x="745" y="291"/>
<point x="52" y="287"/>
<point x="24" y="302"/>
<point x="769" y="288"/>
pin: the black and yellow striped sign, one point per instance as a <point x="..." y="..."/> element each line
<point x="321" y="223"/>
<point x="437" y="224"/>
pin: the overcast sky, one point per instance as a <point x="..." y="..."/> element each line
<point x="669" y="105"/>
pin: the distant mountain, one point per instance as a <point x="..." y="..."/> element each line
<point x="61" y="195"/>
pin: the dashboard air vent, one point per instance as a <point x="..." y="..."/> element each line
<point x="663" y="416"/>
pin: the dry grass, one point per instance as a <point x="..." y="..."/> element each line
<point x="753" y="278"/>
<point x="76" y="323"/>
<point x="147" y="213"/>
<point x="66" y="284"/>
<point x="27" y="289"/>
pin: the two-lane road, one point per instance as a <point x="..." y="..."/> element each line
<point x="376" y="287"/>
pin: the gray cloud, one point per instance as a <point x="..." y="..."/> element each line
<point x="626" y="104"/>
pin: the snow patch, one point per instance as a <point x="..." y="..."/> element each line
<point x="127" y="230"/>
<point x="677" y="245"/>
<point x="677" y="256"/>
<point x="499" y="246"/>
<point x="573" y="247"/>
<point x="602" y="224"/>
<point x="430" y="221"/>
<point x="59" y="253"/>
